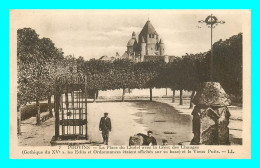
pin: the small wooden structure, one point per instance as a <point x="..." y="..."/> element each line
<point x="70" y="107"/>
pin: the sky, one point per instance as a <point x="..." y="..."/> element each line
<point x="95" y="33"/>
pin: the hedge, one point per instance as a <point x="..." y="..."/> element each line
<point x="29" y="111"/>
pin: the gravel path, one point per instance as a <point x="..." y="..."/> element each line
<point x="167" y="121"/>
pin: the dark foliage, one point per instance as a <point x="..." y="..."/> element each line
<point x="29" y="111"/>
<point x="40" y="62"/>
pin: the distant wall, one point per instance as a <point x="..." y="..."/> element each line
<point x="141" y="93"/>
<point x="153" y="58"/>
<point x="165" y="58"/>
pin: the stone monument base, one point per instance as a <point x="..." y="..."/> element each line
<point x="210" y="115"/>
<point x="69" y="142"/>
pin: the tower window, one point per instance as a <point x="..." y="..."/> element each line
<point x="151" y="35"/>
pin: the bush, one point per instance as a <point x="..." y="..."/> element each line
<point x="29" y="111"/>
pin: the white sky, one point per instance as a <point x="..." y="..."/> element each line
<point x="94" y="33"/>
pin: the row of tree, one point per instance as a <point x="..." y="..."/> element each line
<point x="40" y="62"/>
<point x="37" y="63"/>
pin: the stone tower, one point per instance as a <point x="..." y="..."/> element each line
<point x="150" y="36"/>
<point x="131" y="46"/>
<point x="161" y="47"/>
<point x="143" y="49"/>
<point x="148" y="44"/>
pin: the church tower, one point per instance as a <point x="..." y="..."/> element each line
<point x="143" y="49"/>
<point x="162" y="47"/>
<point x="148" y="45"/>
<point x="131" y="47"/>
<point x="150" y="38"/>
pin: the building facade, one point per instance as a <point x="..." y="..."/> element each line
<point x="147" y="46"/>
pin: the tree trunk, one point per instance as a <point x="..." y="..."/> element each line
<point x="151" y="94"/>
<point x="181" y="101"/>
<point x="19" y="132"/>
<point x="97" y="94"/>
<point x="191" y="99"/>
<point x="123" y="96"/>
<point x="173" y="95"/>
<point x="38" y="113"/>
<point x="50" y="106"/>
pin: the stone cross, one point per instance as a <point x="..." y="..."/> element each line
<point x="211" y="115"/>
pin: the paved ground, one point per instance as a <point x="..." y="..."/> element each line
<point x="167" y="120"/>
<point x="124" y="121"/>
<point x="235" y="122"/>
<point x="33" y="135"/>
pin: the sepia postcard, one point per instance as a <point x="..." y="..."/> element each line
<point x="130" y="84"/>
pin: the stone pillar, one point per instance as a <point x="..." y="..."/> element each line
<point x="210" y="115"/>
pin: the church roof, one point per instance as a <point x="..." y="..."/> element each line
<point x="148" y="29"/>
<point x="105" y="58"/>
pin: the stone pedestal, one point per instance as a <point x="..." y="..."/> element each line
<point x="211" y="115"/>
<point x="55" y="142"/>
